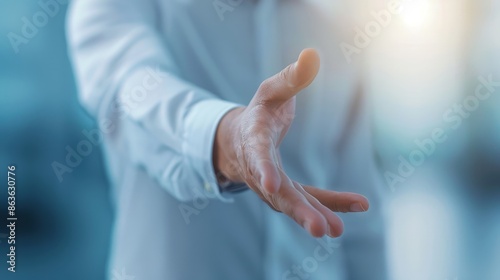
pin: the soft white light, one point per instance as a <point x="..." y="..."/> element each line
<point x="416" y="13"/>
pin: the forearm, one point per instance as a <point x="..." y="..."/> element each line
<point x="133" y="79"/>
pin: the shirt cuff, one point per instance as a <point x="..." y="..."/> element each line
<point x="199" y="136"/>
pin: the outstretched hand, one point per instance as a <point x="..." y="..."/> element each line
<point x="247" y="150"/>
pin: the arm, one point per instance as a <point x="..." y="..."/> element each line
<point x="126" y="72"/>
<point x="115" y="48"/>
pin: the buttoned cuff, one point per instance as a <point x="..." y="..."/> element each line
<point x="199" y="136"/>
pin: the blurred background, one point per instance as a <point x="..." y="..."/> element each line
<point x="63" y="231"/>
<point x="423" y="72"/>
<point x="444" y="219"/>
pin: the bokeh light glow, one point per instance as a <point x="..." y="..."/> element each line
<point x="416" y="13"/>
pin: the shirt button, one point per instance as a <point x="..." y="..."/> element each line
<point x="208" y="187"/>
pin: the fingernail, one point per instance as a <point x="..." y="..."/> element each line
<point x="357" y="207"/>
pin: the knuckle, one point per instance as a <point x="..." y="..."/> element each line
<point x="336" y="207"/>
<point x="251" y="178"/>
<point x="284" y="74"/>
<point x="273" y="207"/>
<point x="274" y="201"/>
<point x="265" y="88"/>
<point x="269" y="201"/>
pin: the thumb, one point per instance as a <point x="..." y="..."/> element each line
<point x="291" y="80"/>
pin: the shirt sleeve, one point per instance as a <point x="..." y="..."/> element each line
<point x="125" y="72"/>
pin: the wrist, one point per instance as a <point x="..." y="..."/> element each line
<point x="224" y="153"/>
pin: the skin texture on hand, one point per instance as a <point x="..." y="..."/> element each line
<point x="246" y="150"/>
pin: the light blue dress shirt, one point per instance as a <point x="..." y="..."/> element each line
<point x="158" y="75"/>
